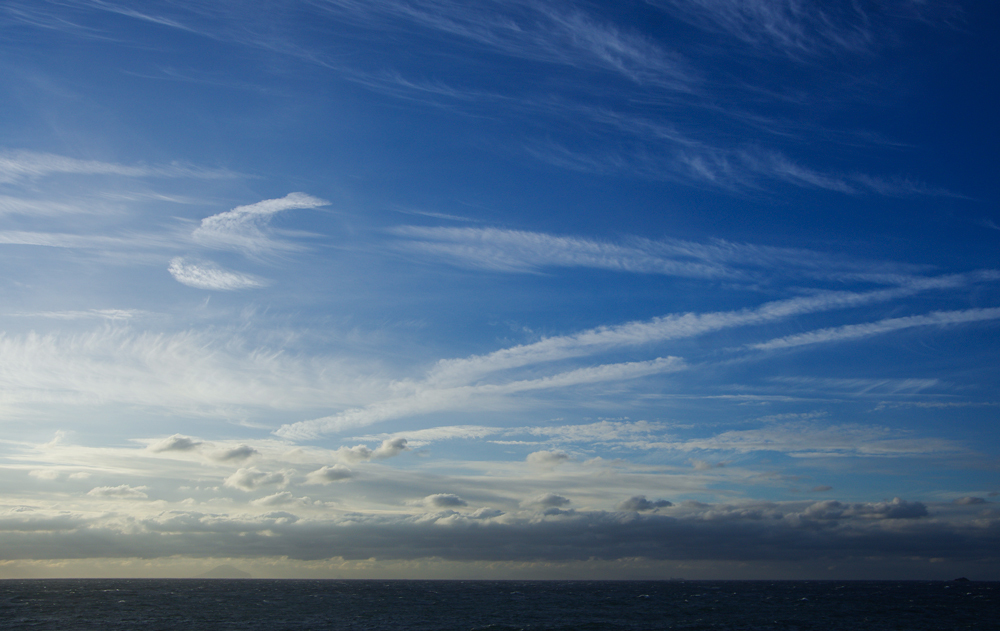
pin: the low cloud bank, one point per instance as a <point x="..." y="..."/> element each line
<point x="788" y="532"/>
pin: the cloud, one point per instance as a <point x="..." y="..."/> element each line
<point x="821" y="489"/>
<point x="177" y="442"/>
<point x="546" y="500"/>
<point x="428" y="398"/>
<point x="210" y="276"/>
<point x="121" y="491"/>
<point x="17" y="165"/>
<point x="520" y="251"/>
<point x="539" y="31"/>
<point x="390" y="447"/>
<point x="969" y="501"/>
<point x="859" y="331"/>
<point x="546" y="459"/>
<point x="241" y="452"/>
<point x="639" y="503"/>
<point x="444" y="500"/>
<point x="800" y="28"/>
<point x="811" y="439"/>
<point x="745" y="532"/>
<point x="251" y="479"/>
<point x="243" y="228"/>
<point x="282" y="498"/>
<point x="328" y="475"/>
<point x="895" y="509"/>
<point x="45" y="474"/>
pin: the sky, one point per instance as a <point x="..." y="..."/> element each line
<point x="500" y="289"/>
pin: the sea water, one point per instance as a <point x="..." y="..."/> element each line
<point x="274" y="605"/>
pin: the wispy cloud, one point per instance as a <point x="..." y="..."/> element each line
<point x="17" y="165"/>
<point x="209" y="276"/>
<point x="859" y="331"/>
<point x="426" y="396"/>
<point x="800" y="27"/>
<point x="535" y="30"/>
<point x="520" y="251"/>
<point x="244" y="228"/>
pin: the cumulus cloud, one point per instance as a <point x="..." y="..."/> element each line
<point x="241" y="452"/>
<point x="328" y="475"/>
<point x="547" y="459"/>
<point x="210" y="276"/>
<point x="444" y="500"/>
<point x="250" y="478"/>
<point x="546" y="500"/>
<point x="244" y="228"/>
<point x="639" y="503"/>
<point x="121" y="491"/>
<point x="390" y="447"/>
<point x="177" y="442"/>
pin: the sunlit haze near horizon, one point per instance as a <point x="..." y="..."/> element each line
<point x="500" y="289"/>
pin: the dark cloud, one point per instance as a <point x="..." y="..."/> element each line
<point x="766" y="532"/>
<point x="328" y="475"/>
<point x="640" y="503"/>
<point x="236" y="453"/>
<point x="444" y="500"/>
<point x="177" y="442"/>
<point x="547" y="500"/>
<point x="821" y="489"/>
<point x="896" y="509"/>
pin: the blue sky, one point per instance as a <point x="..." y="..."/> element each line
<point x="422" y="288"/>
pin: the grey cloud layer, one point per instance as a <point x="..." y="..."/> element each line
<point x="749" y="532"/>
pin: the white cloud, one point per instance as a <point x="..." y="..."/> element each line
<point x="859" y="331"/>
<point x="243" y="227"/>
<point x="45" y="474"/>
<point x="210" y="276"/>
<point x="520" y="251"/>
<point x="16" y="165"/>
<point x="122" y="491"/>
<point x="281" y="498"/>
<point x="328" y="475"/>
<point x="251" y="478"/>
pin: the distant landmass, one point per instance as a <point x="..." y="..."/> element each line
<point x="225" y="571"/>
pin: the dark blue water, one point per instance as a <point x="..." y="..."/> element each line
<point x="275" y="605"/>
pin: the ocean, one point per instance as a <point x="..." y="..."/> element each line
<point x="274" y="605"/>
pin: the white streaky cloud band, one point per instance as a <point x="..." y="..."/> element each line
<point x="520" y="251"/>
<point x="858" y="331"/>
<point x="242" y="228"/>
<point x="427" y="398"/>
<point x="17" y="165"/>
<point x="675" y="326"/>
<point x="210" y="276"/>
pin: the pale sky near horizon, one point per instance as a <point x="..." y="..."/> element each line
<point x="521" y="288"/>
